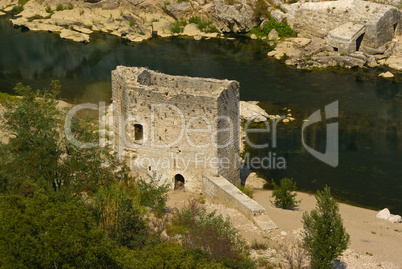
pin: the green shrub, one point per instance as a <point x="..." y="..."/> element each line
<point x="178" y="26"/>
<point x="283" y="28"/>
<point x="207" y="231"/>
<point x="120" y="215"/>
<point x="48" y="9"/>
<point x="246" y="191"/>
<point x="255" y="244"/>
<point x="59" y="7"/>
<point x="167" y="255"/>
<point x="17" y="9"/>
<point x="42" y="233"/>
<point x="152" y="193"/>
<point x="70" y="6"/>
<point x="324" y="236"/>
<point x="4" y="98"/>
<point x="22" y="2"/>
<point x="131" y="23"/>
<point x="284" y="193"/>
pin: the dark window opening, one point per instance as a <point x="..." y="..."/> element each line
<point x="335" y="49"/>
<point x="178" y="182"/>
<point x="359" y="41"/>
<point x="138" y="132"/>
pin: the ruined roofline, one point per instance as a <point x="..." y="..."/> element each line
<point x="143" y="78"/>
<point x="368" y="12"/>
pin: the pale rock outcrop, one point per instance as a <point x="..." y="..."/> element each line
<point x="278" y="15"/>
<point x="386" y="75"/>
<point x="2" y="13"/>
<point x="179" y="10"/>
<point x="384" y="214"/>
<point x="250" y="111"/>
<point x="273" y="35"/>
<point x="82" y="29"/>
<point x="73" y="35"/>
<point x="33" y="11"/>
<point x="162" y="27"/>
<point x="395" y="62"/>
<point x="395" y="219"/>
<point x="371" y="61"/>
<point x="191" y="29"/>
<point x="237" y="18"/>
<point x="253" y="36"/>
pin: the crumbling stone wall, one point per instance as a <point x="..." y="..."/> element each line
<point x="175" y="125"/>
<point x="316" y="19"/>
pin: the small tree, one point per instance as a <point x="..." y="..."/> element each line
<point x="324" y="236"/>
<point x="284" y="193"/>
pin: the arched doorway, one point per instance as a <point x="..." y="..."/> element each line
<point x="179" y="182"/>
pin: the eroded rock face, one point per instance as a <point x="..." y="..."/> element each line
<point x="179" y="10"/>
<point x="237" y="17"/>
<point x="73" y="35"/>
<point x="395" y="62"/>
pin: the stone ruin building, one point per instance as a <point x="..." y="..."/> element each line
<point x="348" y="25"/>
<point x="180" y="127"/>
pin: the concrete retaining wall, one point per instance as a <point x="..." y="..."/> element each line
<point x="222" y="191"/>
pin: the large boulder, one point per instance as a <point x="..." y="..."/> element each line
<point x="394" y="62"/>
<point x="278" y="15"/>
<point x="237" y="17"/>
<point x="395" y="219"/>
<point x="250" y="111"/>
<point x="179" y="10"/>
<point x="384" y="214"/>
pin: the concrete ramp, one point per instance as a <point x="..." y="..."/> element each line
<point x="222" y="191"/>
<point x="347" y="37"/>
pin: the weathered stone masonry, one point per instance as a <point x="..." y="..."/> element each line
<point x="157" y="122"/>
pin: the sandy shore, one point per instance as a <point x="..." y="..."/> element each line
<point x="374" y="243"/>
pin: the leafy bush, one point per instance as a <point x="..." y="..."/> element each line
<point x="203" y="26"/>
<point x="17" y="9"/>
<point x="283" y="28"/>
<point x="59" y="7"/>
<point x="167" y="255"/>
<point x="70" y="6"/>
<point x="178" y="26"/>
<point x="152" y="193"/>
<point x="207" y="231"/>
<point x="120" y="216"/>
<point x="38" y="232"/>
<point x="4" y="98"/>
<point x="48" y="9"/>
<point x="246" y="191"/>
<point x="283" y="193"/>
<point x="324" y="236"/>
<point x="22" y="2"/>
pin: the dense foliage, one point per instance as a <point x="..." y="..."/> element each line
<point x="324" y="235"/>
<point x="68" y="207"/>
<point x="284" y="194"/>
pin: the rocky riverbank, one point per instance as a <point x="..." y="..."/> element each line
<point x="322" y="37"/>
